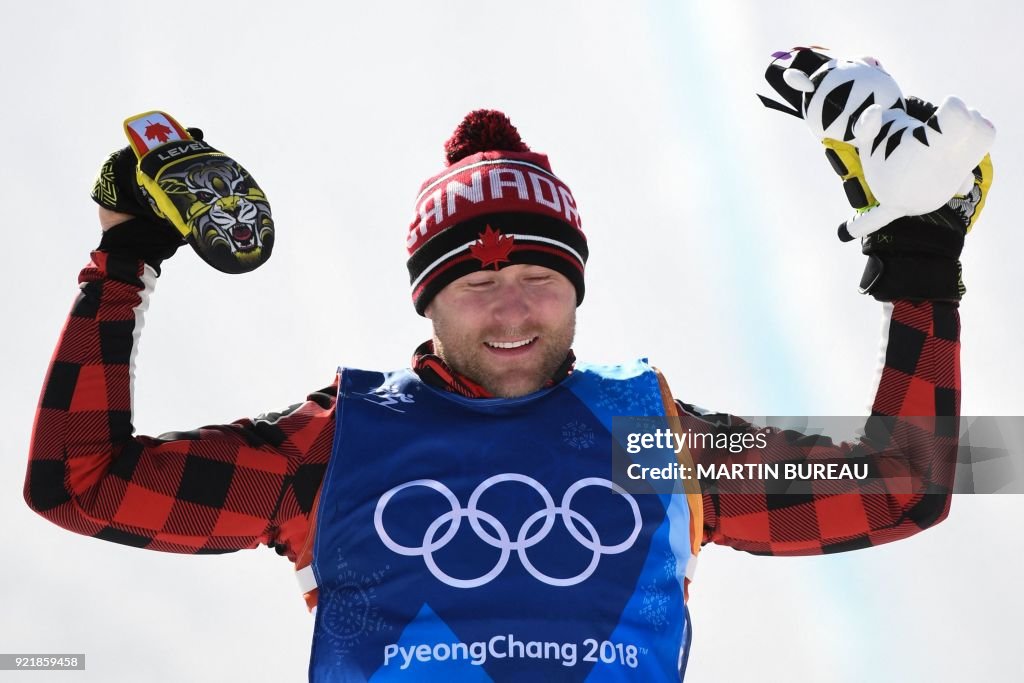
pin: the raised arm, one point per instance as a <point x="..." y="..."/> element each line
<point x="910" y="461"/>
<point x="214" y="489"/>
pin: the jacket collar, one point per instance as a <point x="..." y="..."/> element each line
<point x="437" y="374"/>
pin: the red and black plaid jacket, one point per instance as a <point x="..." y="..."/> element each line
<point x="227" y="487"/>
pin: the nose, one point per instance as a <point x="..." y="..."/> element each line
<point x="511" y="306"/>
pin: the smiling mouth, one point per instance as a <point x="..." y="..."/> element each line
<point x="510" y="344"/>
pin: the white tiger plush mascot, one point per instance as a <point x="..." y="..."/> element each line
<point x="909" y="167"/>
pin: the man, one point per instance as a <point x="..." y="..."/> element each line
<point x="455" y="519"/>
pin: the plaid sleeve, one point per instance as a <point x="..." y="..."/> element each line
<point x="211" y="490"/>
<point x="911" y="460"/>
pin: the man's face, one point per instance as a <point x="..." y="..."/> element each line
<point x="508" y="330"/>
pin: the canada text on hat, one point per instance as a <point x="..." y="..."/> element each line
<point x="497" y="181"/>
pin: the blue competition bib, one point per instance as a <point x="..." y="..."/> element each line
<point x="481" y="539"/>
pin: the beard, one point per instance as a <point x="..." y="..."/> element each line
<point x="465" y="353"/>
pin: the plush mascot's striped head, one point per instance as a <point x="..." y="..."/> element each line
<point x="830" y="94"/>
<point x="496" y="204"/>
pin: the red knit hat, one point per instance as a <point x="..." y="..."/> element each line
<point x="496" y="204"/>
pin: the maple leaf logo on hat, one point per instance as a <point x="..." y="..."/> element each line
<point x="492" y="248"/>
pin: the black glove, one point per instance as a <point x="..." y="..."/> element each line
<point x="917" y="257"/>
<point x="148" y="236"/>
<point x="116" y="188"/>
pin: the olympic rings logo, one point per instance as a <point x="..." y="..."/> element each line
<point x="493" y="532"/>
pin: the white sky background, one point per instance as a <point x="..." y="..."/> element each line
<point x="712" y="232"/>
